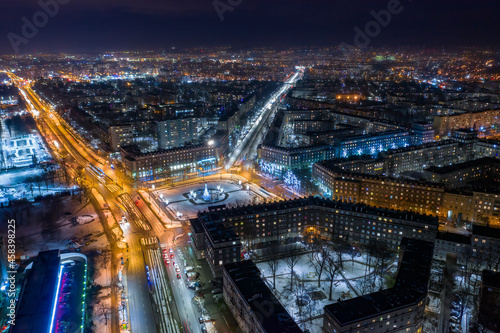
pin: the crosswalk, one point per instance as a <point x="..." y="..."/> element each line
<point x="113" y="187"/>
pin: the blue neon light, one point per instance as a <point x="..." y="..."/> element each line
<point x="55" y="300"/>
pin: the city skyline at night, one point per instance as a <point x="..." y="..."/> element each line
<point x="248" y="166"/>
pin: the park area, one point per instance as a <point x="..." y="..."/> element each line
<point x="305" y="278"/>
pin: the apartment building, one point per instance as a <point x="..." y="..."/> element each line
<point x="169" y="163"/>
<point x="120" y="135"/>
<point x="378" y="191"/>
<point x="177" y="132"/>
<point x="317" y="217"/>
<point x="481" y="120"/>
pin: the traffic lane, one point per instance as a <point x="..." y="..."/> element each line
<point x="141" y="312"/>
<point x="161" y="293"/>
<point x="224" y="322"/>
<point x="183" y="297"/>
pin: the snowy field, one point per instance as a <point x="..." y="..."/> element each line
<point x="46" y="226"/>
<point x="27" y="184"/>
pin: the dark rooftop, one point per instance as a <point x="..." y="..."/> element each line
<point x="491" y="278"/>
<point x="485" y="161"/>
<point x="246" y="276"/>
<point x="38" y="297"/>
<point x="343" y="173"/>
<point x="453" y="237"/>
<point x="483" y="231"/>
<point x="320" y="202"/>
<point x="218" y="233"/>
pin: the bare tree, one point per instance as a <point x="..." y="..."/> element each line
<point x="291" y="261"/>
<point x="382" y="257"/>
<point x="464" y="301"/>
<point x="38" y="180"/>
<point x="319" y="257"/>
<point x="331" y="269"/>
<point x="104" y="312"/>
<point x="273" y="262"/>
<point x="300" y="295"/>
<point x="105" y="258"/>
<point x="29" y="184"/>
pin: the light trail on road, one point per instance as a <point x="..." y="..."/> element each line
<point x="259" y="125"/>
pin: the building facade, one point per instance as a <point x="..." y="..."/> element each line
<point x="177" y="132"/>
<point x="169" y="163"/>
<point x="481" y="120"/>
<point x="317" y="217"/>
<point x="378" y="191"/>
<point x="120" y="135"/>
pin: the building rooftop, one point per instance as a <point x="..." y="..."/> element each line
<point x="246" y="276"/>
<point x="38" y="295"/>
<point x="464" y="165"/>
<point x="418" y="147"/>
<point x="479" y="230"/>
<point x="133" y="151"/>
<point x="343" y="173"/>
<point x="218" y="233"/>
<point x="491" y="279"/>
<point x="316" y="201"/>
<point x="453" y="237"/>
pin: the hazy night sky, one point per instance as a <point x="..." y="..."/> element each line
<point x="106" y="25"/>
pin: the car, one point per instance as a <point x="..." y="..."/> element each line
<point x="216" y="291"/>
<point x="178" y="275"/>
<point x="177" y="269"/>
<point x="201" y="320"/>
<point x="204" y="329"/>
<point x="171" y="255"/>
<point x="167" y="261"/>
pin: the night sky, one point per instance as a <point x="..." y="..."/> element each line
<point x="112" y="25"/>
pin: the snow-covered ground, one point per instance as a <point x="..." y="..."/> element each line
<point x="238" y="195"/>
<point x="14" y="185"/>
<point x="44" y="226"/>
<point x="345" y="286"/>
